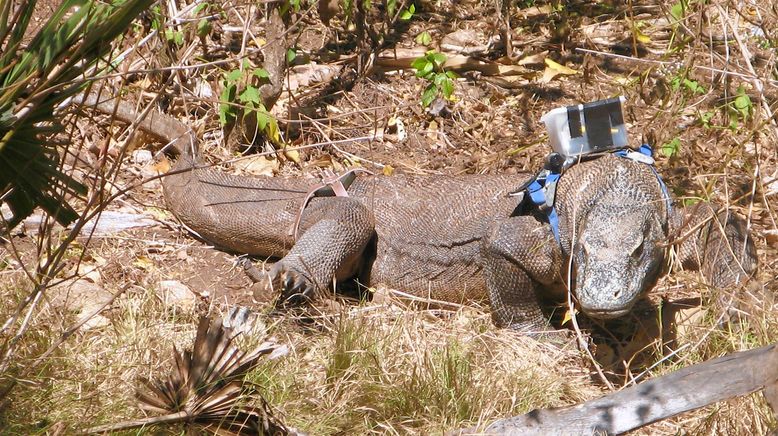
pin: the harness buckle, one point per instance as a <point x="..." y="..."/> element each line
<point x="332" y="185"/>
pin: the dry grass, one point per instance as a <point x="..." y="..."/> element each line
<point x="93" y="376"/>
<point x="378" y="369"/>
<point x="372" y="368"/>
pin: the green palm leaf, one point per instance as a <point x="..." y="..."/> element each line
<point x="57" y="63"/>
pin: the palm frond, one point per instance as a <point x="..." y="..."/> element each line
<point x="207" y="389"/>
<point x="58" y="62"/>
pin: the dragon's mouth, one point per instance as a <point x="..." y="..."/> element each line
<point x="606" y="313"/>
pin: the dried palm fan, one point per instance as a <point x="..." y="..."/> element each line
<point x="206" y="388"/>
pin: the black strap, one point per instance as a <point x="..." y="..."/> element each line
<point x="574" y="121"/>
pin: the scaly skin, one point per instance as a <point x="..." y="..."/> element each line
<point x="453" y="238"/>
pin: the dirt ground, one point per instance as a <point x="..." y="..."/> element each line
<point x="684" y="78"/>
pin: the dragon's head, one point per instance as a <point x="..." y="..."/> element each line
<point x="618" y="255"/>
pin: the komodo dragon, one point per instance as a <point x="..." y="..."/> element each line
<point x="453" y="238"/>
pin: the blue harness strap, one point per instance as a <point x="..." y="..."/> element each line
<point x="542" y="189"/>
<point x="537" y="192"/>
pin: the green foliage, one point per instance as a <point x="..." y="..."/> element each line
<point x="671" y="148"/>
<point x="678" y="10"/>
<point x="157" y="19"/>
<point x="348" y="9"/>
<point x="408" y="13"/>
<point x="38" y="72"/>
<point x="174" y="36"/>
<point x="237" y="90"/>
<point x="424" y="38"/>
<point x="391" y="7"/>
<point x="291" y="55"/>
<point x="741" y="108"/>
<point x="738" y="110"/>
<point x="686" y="85"/>
<point x="706" y="119"/>
<point x="430" y="67"/>
<point x="767" y="43"/>
<point x="290" y="6"/>
<point x="204" y="27"/>
<point x="177" y="35"/>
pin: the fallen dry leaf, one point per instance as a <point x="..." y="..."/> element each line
<point x="686" y="320"/>
<point x="258" y="166"/>
<point x="162" y="166"/>
<point x="292" y="155"/>
<point x="536" y="59"/>
<point x="143" y="263"/>
<point x="89" y="272"/>
<point x="554" y="69"/>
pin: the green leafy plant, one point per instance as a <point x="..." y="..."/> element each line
<point x="424" y="38"/>
<point x="391" y="7"/>
<point x="238" y="91"/>
<point x="686" y="85"/>
<point x="671" y="148"/>
<point x="408" y="13"/>
<point x="177" y="35"/>
<point x="441" y="82"/>
<point x="291" y="55"/>
<point x="740" y="108"/>
<point x="174" y="36"/>
<point x="290" y="6"/>
<point x="706" y="119"/>
<point x="171" y="35"/>
<point x="203" y="27"/>
<point x="37" y="73"/>
<point x="678" y="13"/>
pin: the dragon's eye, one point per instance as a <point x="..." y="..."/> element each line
<point x="638" y="251"/>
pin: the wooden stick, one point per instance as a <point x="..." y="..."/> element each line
<point x="687" y="389"/>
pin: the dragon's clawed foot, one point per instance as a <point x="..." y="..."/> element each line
<point x="285" y="281"/>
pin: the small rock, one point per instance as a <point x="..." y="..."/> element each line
<point x="439" y="108"/>
<point x="142" y="156"/>
<point x="94" y="322"/>
<point x="175" y="293"/>
<point x="6" y="212"/>
<point x="83" y="296"/>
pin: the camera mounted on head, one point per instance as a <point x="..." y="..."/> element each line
<point x="586" y="130"/>
<point x="576" y="133"/>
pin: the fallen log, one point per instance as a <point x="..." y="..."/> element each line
<point x="687" y="389"/>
